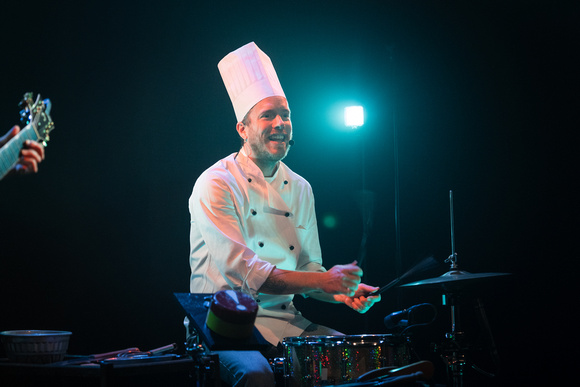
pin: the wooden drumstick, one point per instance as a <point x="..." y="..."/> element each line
<point x="423" y="369"/>
<point x="422" y="266"/>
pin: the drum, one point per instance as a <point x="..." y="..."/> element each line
<point x="327" y="360"/>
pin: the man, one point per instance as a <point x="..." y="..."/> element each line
<point x="253" y="224"/>
<point x="31" y="155"/>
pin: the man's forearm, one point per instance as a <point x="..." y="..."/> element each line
<point x="291" y="282"/>
<point x="340" y="279"/>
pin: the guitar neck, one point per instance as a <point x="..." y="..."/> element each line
<point x="10" y="153"/>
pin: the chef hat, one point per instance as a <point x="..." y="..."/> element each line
<point x="249" y="77"/>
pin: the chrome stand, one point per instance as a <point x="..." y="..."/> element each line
<point x="452" y="349"/>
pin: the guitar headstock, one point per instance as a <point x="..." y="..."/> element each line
<point x="35" y="112"/>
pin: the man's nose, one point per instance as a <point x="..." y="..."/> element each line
<point x="278" y="122"/>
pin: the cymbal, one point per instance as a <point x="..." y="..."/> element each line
<point x="457" y="277"/>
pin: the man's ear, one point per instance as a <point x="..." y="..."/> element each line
<point x="241" y="129"/>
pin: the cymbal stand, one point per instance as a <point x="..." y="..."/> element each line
<point x="453" y="260"/>
<point x="453" y="257"/>
<point x="452" y="351"/>
<point x="453" y="354"/>
<point x="455" y="345"/>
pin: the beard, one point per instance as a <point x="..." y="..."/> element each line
<point x="261" y="152"/>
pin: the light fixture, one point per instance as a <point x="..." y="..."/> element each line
<point x="354" y="116"/>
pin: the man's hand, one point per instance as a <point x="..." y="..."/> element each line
<point x="31" y="155"/>
<point x="358" y="301"/>
<point x="342" y="279"/>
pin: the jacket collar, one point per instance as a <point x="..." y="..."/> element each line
<point x="256" y="179"/>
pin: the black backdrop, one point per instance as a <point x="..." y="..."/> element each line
<point x="482" y="96"/>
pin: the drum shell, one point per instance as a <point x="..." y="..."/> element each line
<point x="327" y="360"/>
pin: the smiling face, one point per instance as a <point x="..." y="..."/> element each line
<point x="268" y="130"/>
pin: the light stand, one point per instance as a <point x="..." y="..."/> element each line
<point x="354" y="119"/>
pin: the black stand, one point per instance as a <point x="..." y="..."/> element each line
<point x="455" y="345"/>
<point x="453" y="348"/>
<point x="196" y="306"/>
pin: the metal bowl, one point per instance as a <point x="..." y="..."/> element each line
<point x="34" y="346"/>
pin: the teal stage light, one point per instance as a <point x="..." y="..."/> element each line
<point x="354" y="116"/>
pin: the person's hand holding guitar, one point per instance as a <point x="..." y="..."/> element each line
<point x="21" y="150"/>
<point x="31" y="154"/>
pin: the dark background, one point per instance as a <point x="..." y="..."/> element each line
<point x="483" y="96"/>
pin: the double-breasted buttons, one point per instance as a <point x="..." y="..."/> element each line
<point x="287" y="214"/>
<point x="261" y="244"/>
<point x="291" y="247"/>
<point x="249" y="179"/>
<point x="285" y="182"/>
<point x="253" y="212"/>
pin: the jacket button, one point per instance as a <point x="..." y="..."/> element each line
<point x="261" y="244"/>
<point x="257" y="300"/>
<point x="249" y="179"/>
<point x="287" y="214"/>
<point x="291" y="247"/>
<point x="283" y="306"/>
<point x="285" y="181"/>
<point x="254" y="212"/>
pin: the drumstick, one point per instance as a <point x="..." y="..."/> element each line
<point x="391" y="284"/>
<point x="424" y="265"/>
<point x="423" y="370"/>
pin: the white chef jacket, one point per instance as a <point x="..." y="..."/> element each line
<point x="242" y="226"/>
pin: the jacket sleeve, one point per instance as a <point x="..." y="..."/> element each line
<point x="214" y="213"/>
